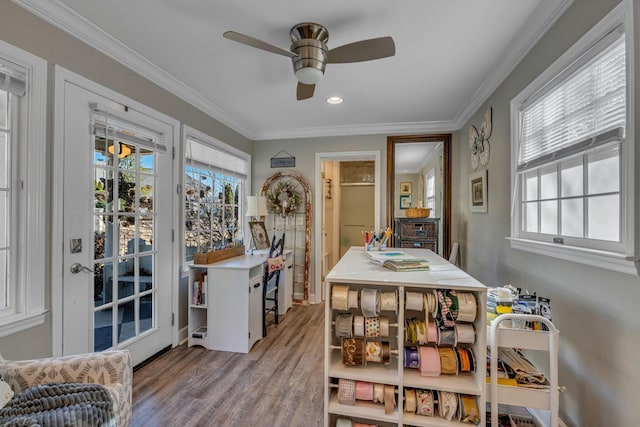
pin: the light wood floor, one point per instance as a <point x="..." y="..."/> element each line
<point x="279" y="383"/>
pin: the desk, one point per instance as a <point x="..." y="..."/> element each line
<point x="232" y="312"/>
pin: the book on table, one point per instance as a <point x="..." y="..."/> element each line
<point x="397" y="260"/>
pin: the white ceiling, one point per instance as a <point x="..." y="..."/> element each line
<point x="450" y="55"/>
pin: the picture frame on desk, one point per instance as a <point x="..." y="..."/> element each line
<point x="259" y="234"/>
<point x="478" y="192"/>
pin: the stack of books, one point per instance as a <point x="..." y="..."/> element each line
<point x="397" y="261"/>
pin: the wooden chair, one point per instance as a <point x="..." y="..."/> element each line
<point x="270" y="284"/>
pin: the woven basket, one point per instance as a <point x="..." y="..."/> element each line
<point x="418" y="212"/>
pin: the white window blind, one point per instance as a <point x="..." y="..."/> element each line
<point x="586" y="109"/>
<point x="12" y="78"/>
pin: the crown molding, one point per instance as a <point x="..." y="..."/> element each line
<point x="545" y="15"/>
<point x="68" y="20"/>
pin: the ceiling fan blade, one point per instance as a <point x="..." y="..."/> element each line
<point x="305" y="91"/>
<point x="259" y="44"/>
<point x="364" y="50"/>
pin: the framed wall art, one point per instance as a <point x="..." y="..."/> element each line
<point x="478" y="191"/>
<point x="259" y="234"/>
<point x="405" y="202"/>
<point x="405" y="187"/>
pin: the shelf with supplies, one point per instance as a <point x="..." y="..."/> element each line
<point x="542" y="403"/>
<point x="404" y="348"/>
<point x="417" y="233"/>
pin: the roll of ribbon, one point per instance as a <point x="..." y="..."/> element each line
<point x="384" y="327"/>
<point x="410" y="331"/>
<point x="413" y="301"/>
<point x="358" y="326"/>
<point x="465" y="333"/>
<point x="435" y="306"/>
<point x="472" y="359"/>
<point x="428" y="300"/>
<point x="353" y="351"/>
<point x="411" y="358"/>
<point x="374" y="351"/>
<point x="352" y="299"/>
<point x="364" y="390"/>
<point x="344" y="422"/>
<point x="467" y="307"/>
<point x="389" y="301"/>
<point x="386" y="353"/>
<point x="378" y="393"/>
<point x="421" y="332"/>
<point x="372" y="327"/>
<point x="424" y="403"/>
<point x="344" y="325"/>
<point x="469" y="411"/>
<point x="389" y="399"/>
<point x="447" y="312"/>
<point x="346" y="391"/>
<point x="464" y="360"/>
<point x="429" y="361"/>
<point x="447" y="404"/>
<point x="432" y="333"/>
<point x="448" y="360"/>
<point x="370" y="302"/>
<point x="447" y="336"/>
<point x="339" y="296"/>
<point x="410" y="400"/>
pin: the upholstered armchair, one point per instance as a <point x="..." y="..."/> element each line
<point x="113" y="369"/>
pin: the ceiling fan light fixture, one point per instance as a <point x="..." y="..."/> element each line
<point x="334" y="100"/>
<point x="309" y="75"/>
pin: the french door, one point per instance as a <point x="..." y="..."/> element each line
<point x="117" y="243"/>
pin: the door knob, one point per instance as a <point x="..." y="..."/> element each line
<point x="76" y="268"/>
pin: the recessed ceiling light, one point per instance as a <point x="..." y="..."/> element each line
<point x="334" y="100"/>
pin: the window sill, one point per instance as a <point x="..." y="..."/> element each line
<point x="602" y="259"/>
<point x="20" y="322"/>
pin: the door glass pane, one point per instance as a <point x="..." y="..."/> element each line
<point x="103" y="236"/>
<point x="549" y="182"/>
<point x="571" y="178"/>
<point x="145" y="224"/>
<point x="604" y="218"/>
<point x="102" y="154"/>
<point x="126" y="191"/>
<point x="549" y="217"/>
<point x="145" y="273"/>
<point x="102" y="283"/>
<point x="146" y="193"/>
<point x="147" y="160"/>
<point x="102" y="181"/>
<point x="573" y="218"/>
<point x="127" y="321"/>
<point x="146" y="312"/>
<point x="103" y="329"/>
<point x="530" y="186"/>
<point x="4" y="159"/>
<point x="126" y="277"/>
<point x="531" y="217"/>
<point x="604" y="171"/>
<point x="127" y="234"/>
<point x="127" y="156"/>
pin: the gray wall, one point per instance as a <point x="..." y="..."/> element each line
<point x="24" y="30"/>
<point x="594" y="309"/>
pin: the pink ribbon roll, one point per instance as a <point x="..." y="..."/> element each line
<point x="429" y="361"/>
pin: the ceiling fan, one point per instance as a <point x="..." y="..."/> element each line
<point x="310" y="55"/>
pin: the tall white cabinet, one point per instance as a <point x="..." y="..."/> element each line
<point x="355" y="271"/>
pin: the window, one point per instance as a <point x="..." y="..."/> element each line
<point x="430" y="191"/>
<point x="214" y="190"/>
<point x="572" y="155"/>
<point x="22" y="189"/>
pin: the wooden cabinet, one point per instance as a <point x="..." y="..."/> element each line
<point x="417" y="233"/>
<point x="232" y="312"/>
<point x="355" y="272"/>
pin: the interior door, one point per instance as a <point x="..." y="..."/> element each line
<point x="356" y="214"/>
<point x="117" y="228"/>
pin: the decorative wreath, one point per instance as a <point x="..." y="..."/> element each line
<point x="283" y="199"/>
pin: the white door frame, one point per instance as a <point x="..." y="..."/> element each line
<point x="62" y="76"/>
<point x="317" y="214"/>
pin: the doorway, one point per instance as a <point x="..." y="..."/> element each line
<point x="115" y="172"/>
<point x="335" y="226"/>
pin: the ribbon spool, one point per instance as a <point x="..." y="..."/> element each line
<point x="344" y="422"/>
<point x="358" y="326"/>
<point x="373" y="351"/>
<point x="411" y="357"/>
<point x="339" y="297"/>
<point x="469" y="411"/>
<point x="384" y="327"/>
<point x="447" y="336"/>
<point x="410" y="404"/>
<point x="466" y="359"/>
<point x="389" y="301"/>
<point x="410" y="333"/>
<point x="370" y="302"/>
<point x="429" y="361"/>
<point x="344" y="325"/>
<point x="346" y="391"/>
<point x="364" y="390"/>
<point x="448" y="360"/>
<point x="424" y="403"/>
<point x="429" y="303"/>
<point x="465" y="333"/>
<point x="378" y="393"/>
<point x="413" y="301"/>
<point x="353" y="351"/>
<point x="432" y="333"/>
<point x="421" y="332"/>
<point x="372" y="327"/>
<point x="467" y="307"/>
<point x="389" y="399"/>
<point x="447" y="404"/>
<point x="447" y="311"/>
<point x="352" y="299"/>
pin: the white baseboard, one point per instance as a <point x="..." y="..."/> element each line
<point x="183" y="335"/>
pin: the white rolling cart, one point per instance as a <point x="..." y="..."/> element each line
<point x="543" y="404"/>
